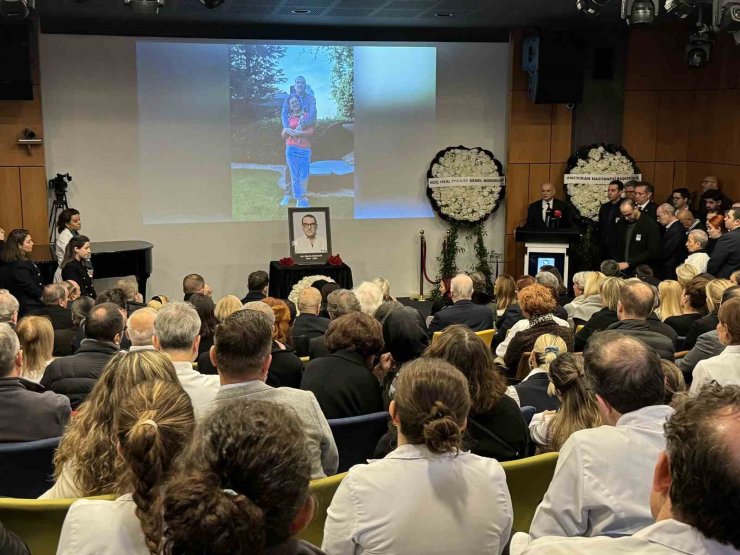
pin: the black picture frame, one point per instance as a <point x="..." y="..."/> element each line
<point x="298" y="238"/>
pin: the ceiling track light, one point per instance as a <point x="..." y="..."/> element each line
<point x="16" y="9"/>
<point x="680" y="8"/>
<point x="726" y="17"/>
<point x="211" y="4"/>
<point x="144" y="7"/>
<point x="639" y="12"/>
<point x="699" y="47"/>
<point x="591" y="7"/>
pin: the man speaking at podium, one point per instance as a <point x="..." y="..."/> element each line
<point x="548" y="212"/>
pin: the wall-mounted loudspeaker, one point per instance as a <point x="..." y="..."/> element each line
<point x="15" y="61"/>
<point x="555" y="63"/>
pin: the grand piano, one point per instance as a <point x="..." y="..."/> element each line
<point x="110" y="259"/>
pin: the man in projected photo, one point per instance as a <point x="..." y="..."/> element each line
<point x="311" y="241"/>
<point x="297" y="137"/>
<point x="307" y="100"/>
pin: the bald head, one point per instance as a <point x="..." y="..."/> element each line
<point x="710" y="183"/>
<point x="636" y="300"/>
<point x="461" y="288"/>
<point x="685" y="217"/>
<point x="140" y="327"/>
<point x="548" y="191"/>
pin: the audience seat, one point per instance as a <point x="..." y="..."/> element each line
<point x="528" y="413"/>
<point x="528" y="480"/>
<point x="27" y="468"/>
<point x="38" y="522"/>
<point x="357" y="436"/>
<point x="486" y="335"/>
<point x="305" y="360"/>
<point x="523" y="369"/>
<point x="323" y="491"/>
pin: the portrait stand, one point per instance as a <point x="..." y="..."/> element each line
<point x="309" y="230"/>
<point x="547" y="247"/>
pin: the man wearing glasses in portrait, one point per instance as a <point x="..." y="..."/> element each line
<point x="310" y="241"/>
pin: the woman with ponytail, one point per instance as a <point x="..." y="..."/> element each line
<point x="242" y="485"/>
<point x="152" y="425"/>
<point x="532" y="390"/>
<point x="426" y="496"/>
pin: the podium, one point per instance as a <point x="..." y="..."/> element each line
<point x="547" y="247"/>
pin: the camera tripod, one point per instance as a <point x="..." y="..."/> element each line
<point x="59" y="205"/>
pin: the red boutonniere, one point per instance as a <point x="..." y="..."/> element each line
<point x="335" y="260"/>
<point x="286" y="261"/>
<point x="557" y="214"/>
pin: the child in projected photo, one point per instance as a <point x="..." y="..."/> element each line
<point x="297" y="151"/>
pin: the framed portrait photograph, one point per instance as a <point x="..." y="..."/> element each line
<point x="309" y="230"/>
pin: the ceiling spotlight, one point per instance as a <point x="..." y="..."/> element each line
<point x="210" y="4"/>
<point x="443" y="14"/>
<point x="726" y="16"/>
<point x="591" y="7"/>
<point x="15" y="9"/>
<point x="699" y="47"/>
<point x="680" y="8"/>
<point x="144" y="7"/>
<point x="300" y="11"/>
<point x="639" y="12"/>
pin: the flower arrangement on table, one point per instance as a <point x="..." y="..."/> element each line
<point x="307" y="281"/>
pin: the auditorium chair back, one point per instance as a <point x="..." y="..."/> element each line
<point x="323" y="491"/>
<point x="486" y="335"/>
<point x="27" y="468"/>
<point x="528" y="480"/>
<point x="357" y="436"/>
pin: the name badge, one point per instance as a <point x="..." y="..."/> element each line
<point x="638" y="237"/>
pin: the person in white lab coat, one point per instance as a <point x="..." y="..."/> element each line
<point x="695" y="487"/>
<point x="725" y="367"/>
<point x="602" y="477"/>
<point x="425" y="497"/>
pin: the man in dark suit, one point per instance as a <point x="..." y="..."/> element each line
<point x="672" y="251"/>
<point x="644" y="199"/>
<point x="462" y="311"/>
<point x="542" y="213"/>
<point x="639" y="237"/>
<point x="308" y="324"/>
<point x="257" y="284"/>
<point x="725" y="257"/>
<point x="55" y="306"/>
<point x="687" y="220"/>
<point x="609" y="218"/>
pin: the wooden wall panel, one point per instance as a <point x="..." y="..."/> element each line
<point x="519" y="78"/>
<point x="16" y="115"/>
<point x="729" y="176"/>
<point x="641" y="123"/>
<point x="562" y="129"/>
<point x="663" y="181"/>
<point x="557" y="171"/>
<point x="538" y="174"/>
<point x="647" y="169"/>
<point x="517" y="196"/>
<point x="34" y="203"/>
<point x="529" y="130"/>
<point x="10" y="199"/>
<point x="672" y="133"/>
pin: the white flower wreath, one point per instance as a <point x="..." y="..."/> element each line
<point x="588" y="197"/>
<point x="458" y="199"/>
<point x="302" y="284"/>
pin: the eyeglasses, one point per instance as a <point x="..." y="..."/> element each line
<point x="310" y="225"/>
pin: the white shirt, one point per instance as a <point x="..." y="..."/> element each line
<point x="64" y="487"/>
<point x="61" y="244"/>
<point x="134" y="348"/>
<point x="539" y="427"/>
<point x="522" y="325"/>
<point x="662" y="538"/>
<point x="98" y="527"/>
<point x="303" y="244"/>
<point x="545" y="208"/>
<point x="603" y="477"/>
<point x="200" y="387"/>
<point x="415" y="502"/>
<point x="698" y="260"/>
<point x="723" y="369"/>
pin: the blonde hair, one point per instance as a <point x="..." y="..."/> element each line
<point x="674" y="381"/>
<point x="504" y="290"/>
<point x="88" y="446"/>
<point x="36" y="336"/>
<point x="685" y="273"/>
<point x="670" y="292"/>
<point x="714" y="289"/>
<point x="158" y="302"/>
<point x="385" y="287"/>
<point x="609" y="292"/>
<point x="546" y="349"/>
<point x="309" y="300"/>
<point x="226" y="306"/>
<point x="578" y="407"/>
<point x="593" y="281"/>
<point x="129" y="287"/>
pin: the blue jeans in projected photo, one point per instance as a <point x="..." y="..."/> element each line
<point x="299" y="161"/>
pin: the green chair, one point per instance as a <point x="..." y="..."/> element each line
<point x="528" y="480"/>
<point x="38" y="522"/>
<point x="323" y="490"/>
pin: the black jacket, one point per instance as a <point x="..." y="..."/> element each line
<point x="75" y="376"/>
<point x="343" y="385"/>
<point x="725" y="257"/>
<point x="534" y="214"/>
<point x="10" y="544"/>
<point x="286" y="369"/>
<point x="639" y="329"/>
<point x="476" y="317"/>
<point x="24" y="281"/>
<point x="651" y="209"/>
<point x="305" y="328"/>
<point x="609" y="218"/>
<point x="253" y="296"/>
<point x="506" y="423"/>
<point x="672" y="251"/>
<point x="644" y="243"/>
<point x="533" y="393"/>
<point x="405" y="334"/>
<point x="28" y="412"/>
<point x="598" y="322"/>
<point x="318" y="347"/>
<point x="76" y="271"/>
<point x="682" y="324"/>
<point x="505" y="322"/>
<point x="61" y="318"/>
<point x="699" y="327"/>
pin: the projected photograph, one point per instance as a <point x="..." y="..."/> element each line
<point x="292" y="130"/>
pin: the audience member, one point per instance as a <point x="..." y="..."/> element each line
<point x="27" y="411"/>
<point x="724" y="368"/>
<point x="207" y="313"/>
<point x="404" y="334"/>
<point x="629" y="189"/>
<point x="385" y="287"/>
<point x="140" y="329"/>
<point x="286" y="369"/>
<point x="694" y="486"/>
<point x="482" y="291"/>
<point x="532" y="391"/>
<point x="75" y="375"/>
<point x="55" y="306"/>
<point x="370" y="296"/>
<point x="644" y="199"/>
<point x="87" y="462"/>
<point x="609" y="296"/>
<point x="512" y="315"/>
<point x="537" y="305"/>
<point x="579" y="284"/>
<point x="610" y="268"/>
<point x="578" y="408"/>
<point x="444" y="298"/>
<point x="326" y="290"/>
<point x="714" y="290"/>
<point x="714" y="203"/>
<point x="8" y="308"/>
<point x="195" y="283"/>
<point x="709" y="185"/>
<point x="725" y="257"/>
<point x="241" y="354"/>
<point x="561" y="289"/>
<point x="257" y="286"/>
<point x="158" y="301"/>
<point x="609" y="217"/>
<point x="73" y="290"/>
<point x="681" y="199"/>
<point x="68" y="224"/>
<point x="67" y="341"/>
<point x="504" y="291"/>
<point x="177" y="334"/>
<point x="685" y="273"/>
<point x="338" y="303"/>
<point x="672" y="249"/>
<point x="551" y="281"/>
<point x="10" y="544"/>
<point x="696" y="245"/>
<point x="734" y="278"/>
<point x="242" y="486"/>
<point x="74" y="265"/>
<point x="669" y="295"/>
<point x="152" y="425"/>
<point x="686" y="217"/>
<point x="600" y="485"/>
<point x="462" y="311"/>
<point x="430" y="408"/>
<point x="715" y="230"/>
<point x="130" y="288"/>
<point x="115" y="296"/>
<point x="644" y="273"/>
<point x="693" y="305"/>
<point x="308" y="324"/>
<point x="36" y="336"/>
<point x="591" y="302"/>
<point x="343" y="382"/>
<point x="226" y="306"/>
<point x="674" y="381"/>
<point x="638" y="238"/>
<point x="21" y="275"/>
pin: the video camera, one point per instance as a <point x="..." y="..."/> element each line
<point x="59" y="185"/>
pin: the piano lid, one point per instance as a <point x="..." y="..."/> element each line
<point x="44" y="252"/>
